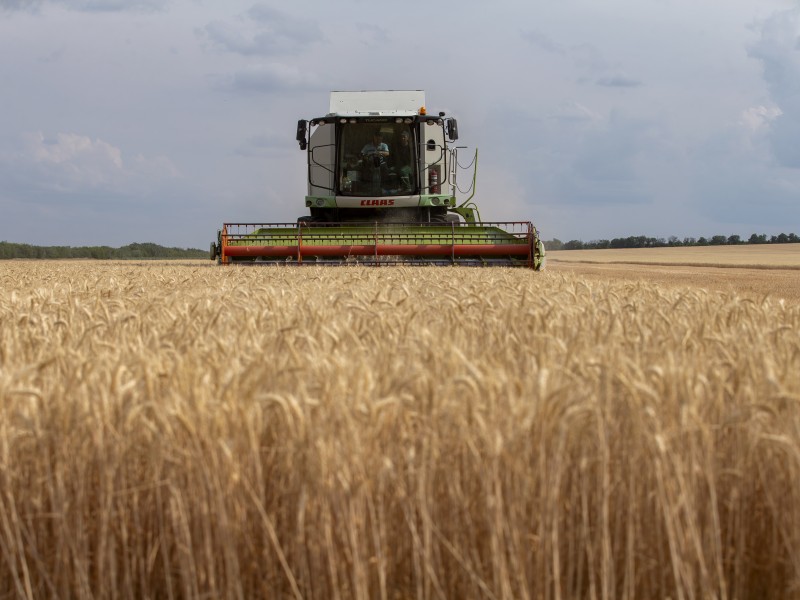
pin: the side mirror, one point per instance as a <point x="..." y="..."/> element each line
<point x="302" y="133"/>
<point x="452" y="129"/>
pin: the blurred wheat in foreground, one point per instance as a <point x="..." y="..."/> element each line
<point x="190" y="432"/>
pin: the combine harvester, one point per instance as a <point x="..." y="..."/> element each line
<point x="382" y="183"/>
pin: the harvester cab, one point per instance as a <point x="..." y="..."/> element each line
<point x="382" y="188"/>
<point x="378" y="156"/>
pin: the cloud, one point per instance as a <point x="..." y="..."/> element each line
<point x="372" y="35"/>
<point x="609" y="163"/>
<point x="759" y="118"/>
<point x="542" y="41"/>
<point x="85" y="5"/>
<point x="270" y="78"/>
<point x="573" y="112"/>
<point x="577" y="158"/>
<point x="71" y="161"/>
<point x="74" y="189"/>
<point x="263" y="31"/>
<point x="115" y="5"/>
<point x="620" y="81"/>
<point x="585" y="58"/>
<point x="74" y="163"/>
<point x="12" y="5"/>
<point x="735" y="177"/>
<point x="777" y="51"/>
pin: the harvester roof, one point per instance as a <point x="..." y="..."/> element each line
<point x="399" y="103"/>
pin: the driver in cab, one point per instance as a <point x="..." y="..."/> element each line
<point x="376" y="148"/>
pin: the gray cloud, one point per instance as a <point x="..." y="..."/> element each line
<point x="71" y="189"/>
<point x="70" y="163"/>
<point x="573" y="112"/>
<point x="620" y="81"/>
<point x="263" y="31"/>
<point x="542" y="41"/>
<point x="85" y="5"/>
<point x="732" y="186"/>
<point x="116" y="5"/>
<point x="611" y="162"/>
<point x="20" y="5"/>
<point x="777" y="51"/>
<point x="372" y="35"/>
<point x="586" y="58"/>
<point x="270" y="78"/>
<point x="580" y="158"/>
<point x="735" y="180"/>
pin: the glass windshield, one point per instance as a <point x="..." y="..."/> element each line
<point x="377" y="159"/>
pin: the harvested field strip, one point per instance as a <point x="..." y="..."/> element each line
<point x="180" y="431"/>
<point x="680" y="264"/>
<point x="785" y="256"/>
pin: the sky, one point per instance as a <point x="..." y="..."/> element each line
<point x="128" y="121"/>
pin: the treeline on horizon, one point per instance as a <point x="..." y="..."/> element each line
<point x="10" y="250"/>
<point x="641" y="241"/>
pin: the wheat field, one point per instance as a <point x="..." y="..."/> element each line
<point x="184" y="431"/>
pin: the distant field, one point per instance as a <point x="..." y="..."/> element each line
<point x="180" y="430"/>
<point x="756" y="271"/>
<point x="770" y="255"/>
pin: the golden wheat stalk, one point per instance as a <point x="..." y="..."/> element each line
<point x="181" y="431"/>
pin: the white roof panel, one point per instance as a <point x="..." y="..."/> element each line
<point x="388" y="102"/>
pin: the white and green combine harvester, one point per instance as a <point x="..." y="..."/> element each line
<point x="382" y="189"/>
